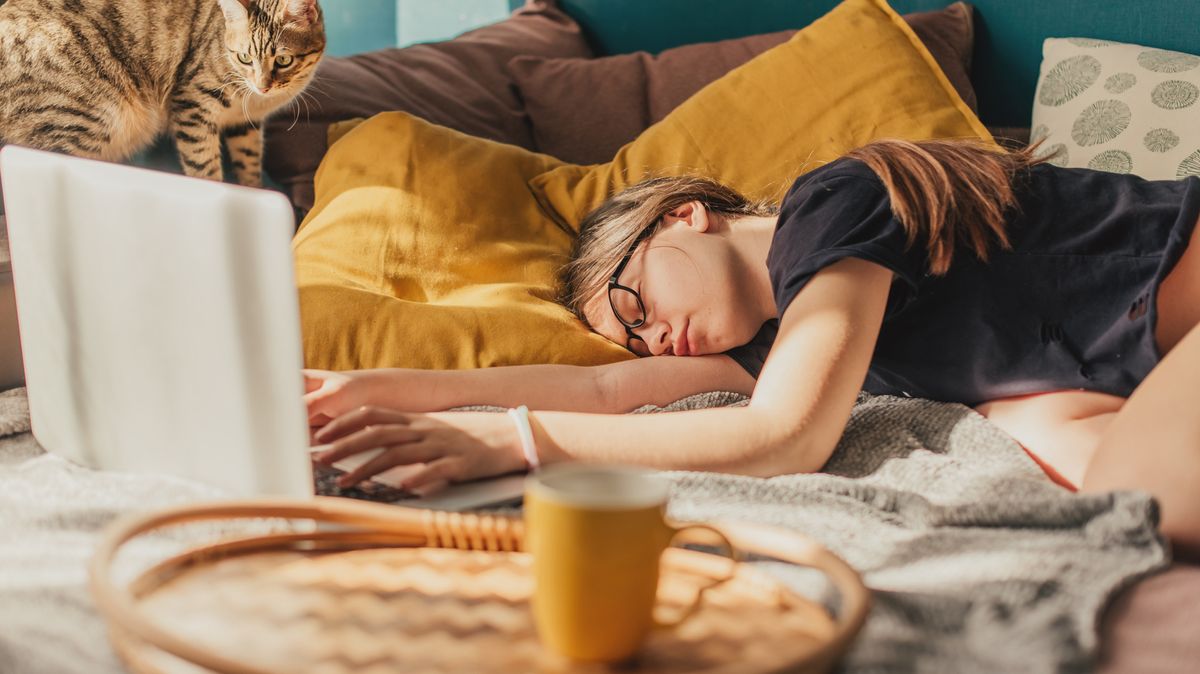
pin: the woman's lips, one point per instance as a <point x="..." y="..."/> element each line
<point x="682" y="346"/>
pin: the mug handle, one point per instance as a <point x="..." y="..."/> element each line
<point x="729" y="551"/>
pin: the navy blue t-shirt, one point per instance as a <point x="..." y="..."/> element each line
<point x="1071" y="306"/>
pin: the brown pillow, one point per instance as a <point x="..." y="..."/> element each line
<point x="584" y="110"/>
<point x="459" y="83"/>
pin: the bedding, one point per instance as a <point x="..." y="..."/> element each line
<point x="428" y="248"/>
<point x="975" y="560"/>
<point x="857" y="74"/>
<point x="583" y="110"/>
<point x="1119" y="107"/>
<point x="459" y="83"/>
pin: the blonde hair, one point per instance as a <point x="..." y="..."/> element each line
<point x="955" y="192"/>
<point x="607" y="232"/>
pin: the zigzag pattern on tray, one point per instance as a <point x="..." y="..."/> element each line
<point x="438" y="610"/>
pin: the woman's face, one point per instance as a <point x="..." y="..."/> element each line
<point x="693" y="286"/>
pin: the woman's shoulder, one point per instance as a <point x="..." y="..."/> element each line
<point x="839" y="171"/>
<point x="834" y="204"/>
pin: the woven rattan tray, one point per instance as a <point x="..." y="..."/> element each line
<point x="408" y="590"/>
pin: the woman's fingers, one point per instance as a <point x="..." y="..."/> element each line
<point x="390" y="458"/>
<point x="313" y="379"/>
<point x="320" y="396"/>
<point x="434" y="477"/>
<point x="370" y="437"/>
<point x="316" y="396"/>
<point x="321" y="411"/>
<point x="355" y="420"/>
<point x="315" y="424"/>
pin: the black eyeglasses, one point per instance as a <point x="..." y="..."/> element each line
<point x="626" y="303"/>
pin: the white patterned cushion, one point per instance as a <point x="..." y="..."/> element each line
<point x="1119" y="107"/>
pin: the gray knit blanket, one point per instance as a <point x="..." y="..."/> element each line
<point x="977" y="562"/>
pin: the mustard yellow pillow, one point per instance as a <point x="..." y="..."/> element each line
<point x="857" y="74"/>
<point x="425" y="249"/>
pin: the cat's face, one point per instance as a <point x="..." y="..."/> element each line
<point x="274" y="45"/>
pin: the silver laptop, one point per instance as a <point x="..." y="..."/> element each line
<point x="160" y="327"/>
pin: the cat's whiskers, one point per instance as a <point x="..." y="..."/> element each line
<point x="295" y="116"/>
<point x="295" y="105"/>
<point x="248" y="92"/>
<point x="304" y="97"/>
<point x="231" y="79"/>
<point x="317" y="87"/>
<point x="222" y="87"/>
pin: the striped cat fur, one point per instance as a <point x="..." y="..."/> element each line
<point x="104" y="78"/>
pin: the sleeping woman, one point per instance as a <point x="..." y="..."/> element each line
<point x="1059" y="303"/>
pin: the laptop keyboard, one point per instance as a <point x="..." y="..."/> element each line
<point x="325" y="479"/>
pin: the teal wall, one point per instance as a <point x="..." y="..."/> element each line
<point x="355" y="26"/>
<point x="425" y="21"/>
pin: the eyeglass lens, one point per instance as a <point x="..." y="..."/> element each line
<point x="627" y="306"/>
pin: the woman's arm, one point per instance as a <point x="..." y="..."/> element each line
<point x="795" y="418"/>
<point x="615" y="388"/>
<point x="799" y="408"/>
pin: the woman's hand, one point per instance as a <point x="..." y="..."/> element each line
<point x="455" y="446"/>
<point x="329" y="395"/>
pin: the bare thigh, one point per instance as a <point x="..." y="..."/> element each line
<point x="1153" y="444"/>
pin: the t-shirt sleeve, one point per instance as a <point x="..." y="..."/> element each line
<point x="835" y="217"/>
<point x="752" y="355"/>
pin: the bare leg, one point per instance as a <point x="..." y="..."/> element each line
<point x="1153" y="444"/>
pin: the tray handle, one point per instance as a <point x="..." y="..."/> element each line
<point x="790" y="546"/>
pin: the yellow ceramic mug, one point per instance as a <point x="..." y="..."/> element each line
<point x="596" y="534"/>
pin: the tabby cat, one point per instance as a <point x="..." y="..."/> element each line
<point x="103" y="78"/>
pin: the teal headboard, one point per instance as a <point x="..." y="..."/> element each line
<point x="1008" y="47"/>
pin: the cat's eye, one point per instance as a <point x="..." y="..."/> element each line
<point x="244" y="57"/>
<point x="285" y="61"/>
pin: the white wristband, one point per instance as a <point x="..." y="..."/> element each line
<point x="520" y="417"/>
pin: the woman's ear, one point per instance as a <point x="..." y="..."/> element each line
<point x="692" y="214"/>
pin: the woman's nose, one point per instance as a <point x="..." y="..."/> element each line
<point x="660" y="338"/>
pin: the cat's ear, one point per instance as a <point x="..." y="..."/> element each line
<point x="303" y="11"/>
<point x="235" y="10"/>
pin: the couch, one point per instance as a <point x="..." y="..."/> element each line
<point x="1148" y="627"/>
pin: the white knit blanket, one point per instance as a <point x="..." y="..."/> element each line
<point x="977" y="562"/>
